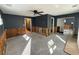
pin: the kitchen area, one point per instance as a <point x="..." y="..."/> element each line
<point x="68" y="27"/>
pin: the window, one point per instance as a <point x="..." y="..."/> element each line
<point x="1" y="22"/>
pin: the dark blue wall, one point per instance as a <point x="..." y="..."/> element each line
<point x="13" y="21"/>
<point x="40" y="21"/>
<point x="1" y="29"/>
<point x="69" y="20"/>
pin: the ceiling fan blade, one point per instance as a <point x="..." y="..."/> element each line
<point x="41" y="12"/>
<point x="36" y="12"/>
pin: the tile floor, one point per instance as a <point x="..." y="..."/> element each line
<point x="39" y="45"/>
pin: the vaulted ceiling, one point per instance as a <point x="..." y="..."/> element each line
<point x="53" y="9"/>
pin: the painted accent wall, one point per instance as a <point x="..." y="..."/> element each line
<point x="42" y="21"/>
<point x="1" y="29"/>
<point x="13" y="21"/>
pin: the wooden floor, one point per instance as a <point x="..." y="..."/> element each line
<point x="71" y="46"/>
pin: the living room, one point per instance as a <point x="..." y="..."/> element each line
<point x="39" y="29"/>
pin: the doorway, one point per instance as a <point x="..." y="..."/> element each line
<point x="69" y="25"/>
<point x="28" y="24"/>
<point x="60" y="25"/>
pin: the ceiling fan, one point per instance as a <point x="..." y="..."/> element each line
<point x="37" y="12"/>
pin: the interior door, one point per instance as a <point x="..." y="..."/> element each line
<point x="28" y="24"/>
<point x="60" y="25"/>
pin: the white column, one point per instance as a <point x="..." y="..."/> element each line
<point x="53" y="24"/>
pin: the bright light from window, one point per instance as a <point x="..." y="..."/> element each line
<point x="26" y="37"/>
<point x="72" y="23"/>
<point x="64" y="21"/>
<point x="1" y="22"/>
<point x="51" y="46"/>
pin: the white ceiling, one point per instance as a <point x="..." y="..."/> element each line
<point x="53" y="9"/>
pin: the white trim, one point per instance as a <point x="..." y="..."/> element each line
<point x="53" y="24"/>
